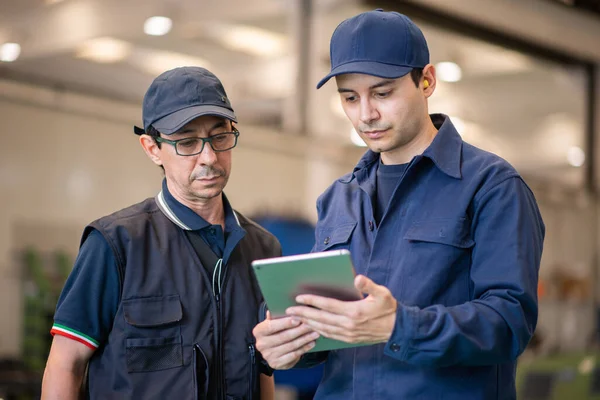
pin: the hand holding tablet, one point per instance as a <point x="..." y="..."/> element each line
<point x="327" y="274"/>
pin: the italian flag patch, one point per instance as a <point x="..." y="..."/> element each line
<point x="62" y="330"/>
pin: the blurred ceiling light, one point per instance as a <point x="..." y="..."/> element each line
<point x="50" y="2"/>
<point x="576" y="156"/>
<point x="251" y="40"/>
<point x="557" y="133"/>
<point x="485" y="59"/>
<point x="158" y="26"/>
<point x="356" y="139"/>
<point x="9" y="52"/>
<point x="448" y="71"/>
<point x="155" y="62"/>
<point x="104" y="50"/>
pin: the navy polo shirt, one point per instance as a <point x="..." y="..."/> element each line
<point x="90" y="297"/>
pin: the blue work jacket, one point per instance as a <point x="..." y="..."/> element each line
<point x="459" y="247"/>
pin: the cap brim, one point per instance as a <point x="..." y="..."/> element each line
<point x="175" y="121"/>
<point x="369" y="68"/>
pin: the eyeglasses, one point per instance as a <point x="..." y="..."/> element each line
<point x="192" y="146"/>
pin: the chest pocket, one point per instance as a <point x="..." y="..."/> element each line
<point x="334" y="238"/>
<point x="435" y="262"/>
<point x="449" y="231"/>
<point x="153" y="333"/>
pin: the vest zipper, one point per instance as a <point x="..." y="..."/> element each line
<point x="220" y="361"/>
<point x="195" y="370"/>
<point x="251" y="381"/>
<point x="216" y="287"/>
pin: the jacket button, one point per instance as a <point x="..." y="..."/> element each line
<point x="326" y="241"/>
<point x="371" y="226"/>
<point x="395" y="347"/>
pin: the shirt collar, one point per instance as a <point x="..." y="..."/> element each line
<point x="445" y="150"/>
<point x="186" y="218"/>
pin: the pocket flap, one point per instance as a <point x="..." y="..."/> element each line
<point x="152" y="311"/>
<point x="451" y="231"/>
<point x="339" y="234"/>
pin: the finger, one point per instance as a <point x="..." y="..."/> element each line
<point x="332" y="332"/>
<point x="322" y="303"/>
<point x="272" y="326"/>
<point x="339" y="333"/>
<point x="272" y="341"/>
<point x="337" y="336"/>
<point x="294" y="347"/>
<point x="325" y="329"/>
<point x="309" y="314"/>
<point x="268" y="314"/>
<point x="290" y="359"/>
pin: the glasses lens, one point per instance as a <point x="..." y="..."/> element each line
<point x="189" y="146"/>
<point x="223" y="141"/>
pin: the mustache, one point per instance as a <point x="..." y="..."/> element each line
<point x="363" y="128"/>
<point x="207" y="172"/>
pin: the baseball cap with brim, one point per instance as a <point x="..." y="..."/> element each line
<point x="369" y="68"/>
<point x="384" y="44"/>
<point x="175" y="121"/>
<point x="180" y="95"/>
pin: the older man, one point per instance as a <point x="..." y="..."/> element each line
<point x="162" y="301"/>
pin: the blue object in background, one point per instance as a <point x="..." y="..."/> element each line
<point x="296" y="237"/>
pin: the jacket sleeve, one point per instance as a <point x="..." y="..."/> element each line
<point x="496" y="325"/>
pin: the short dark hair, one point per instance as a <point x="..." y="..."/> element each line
<point x="416" y="74"/>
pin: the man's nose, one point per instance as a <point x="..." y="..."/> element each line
<point x="368" y="113"/>
<point x="207" y="156"/>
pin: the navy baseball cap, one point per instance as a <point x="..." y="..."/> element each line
<point x="179" y="95"/>
<point x="384" y="44"/>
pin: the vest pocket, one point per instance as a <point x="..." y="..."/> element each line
<point x="201" y="374"/>
<point x="153" y="354"/>
<point x="149" y="312"/>
<point x="153" y="333"/>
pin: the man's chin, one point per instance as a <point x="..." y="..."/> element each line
<point x="208" y="189"/>
<point x="376" y="148"/>
<point x="207" y="194"/>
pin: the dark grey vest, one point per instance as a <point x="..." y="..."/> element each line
<point x="172" y="338"/>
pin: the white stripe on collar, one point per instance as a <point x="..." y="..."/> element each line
<point x="236" y="217"/>
<point x="164" y="207"/>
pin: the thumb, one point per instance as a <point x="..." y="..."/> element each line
<point x="366" y="285"/>
<point x="268" y="314"/>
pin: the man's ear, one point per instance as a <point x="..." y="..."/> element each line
<point x="430" y="78"/>
<point x="151" y="148"/>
